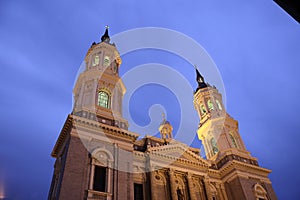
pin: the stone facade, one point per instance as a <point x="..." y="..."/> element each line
<point x="97" y="158"/>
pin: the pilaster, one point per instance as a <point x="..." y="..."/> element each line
<point x="207" y="187"/>
<point x="153" y="186"/>
<point x="173" y="185"/>
<point x="191" y="186"/>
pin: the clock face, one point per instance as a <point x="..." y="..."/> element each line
<point x="106" y="61"/>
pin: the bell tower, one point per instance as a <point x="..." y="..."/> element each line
<point x="225" y="149"/>
<point x="217" y="130"/>
<point x="99" y="90"/>
<point x="94" y="149"/>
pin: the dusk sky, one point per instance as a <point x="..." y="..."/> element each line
<point x="254" y="44"/>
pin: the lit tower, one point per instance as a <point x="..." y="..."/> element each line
<point x="217" y="130"/>
<point x="99" y="90"/>
<point x="225" y="149"/>
<point x="93" y="151"/>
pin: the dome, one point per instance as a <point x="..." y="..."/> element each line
<point x="165" y="122"/>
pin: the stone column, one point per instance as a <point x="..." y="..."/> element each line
<point x="152" y="182"/>
<point x="223" y="191"/>
<point x="191" y="186"/>
<point x="207" y="188"/>
<point x="219" y="192"/>
<point x="173" y="185"/>
<point x="116" y="172"/>
<point x="92" y="176"/>
<point x="202" y="190"/>
<point x="109" y="189"/>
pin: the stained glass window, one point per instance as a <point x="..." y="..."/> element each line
<point x="103" y="99"/>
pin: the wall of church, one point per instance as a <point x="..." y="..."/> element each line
<point x="244" y="188"/>
<point x="169" y="184"/>
<point x="76" y="173"/>
<point x="199" y="189"/>
<point x="159" y="187"/>
<point x="124" y="185"/>
<point x="234" y="189"/>
<point x="59" y="167"/>
<point x="270" y="190"/>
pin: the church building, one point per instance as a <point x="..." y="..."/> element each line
<point x="98" y="158"/>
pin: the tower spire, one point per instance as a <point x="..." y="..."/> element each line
<point x="105" y="37"/>
<point x="199" y="79"/>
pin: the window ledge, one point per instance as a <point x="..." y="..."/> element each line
<point x="92" y="194"/>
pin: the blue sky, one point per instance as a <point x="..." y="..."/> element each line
<point x="254" y="44"/>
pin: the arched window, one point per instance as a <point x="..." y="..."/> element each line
<point x="96" y="60"/>
<point x="106" y="62"/>
<point x="210" y="105"/>
<point x="260" y="192"/>
<point x="214" y="146"/>
<point x="233" y="140"/>
<point x="203" y="110"/>
<point x="103" y="99"/>
<point x="219" y="104"/>
<point x="101" y="164"/>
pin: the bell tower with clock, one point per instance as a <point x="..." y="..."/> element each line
<point x="99" y="90"/>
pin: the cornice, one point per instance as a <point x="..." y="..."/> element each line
<point x="61" y="138"/>
<point x="178" y="146"/>
<point x="80" y="122"/>
<point x="240" y="166"/>
<point x="97" y="126"/>
<point x="158" y="154"/>
<point x="101" y="45"/>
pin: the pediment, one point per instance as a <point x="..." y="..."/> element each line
<point x="178" y="151"/>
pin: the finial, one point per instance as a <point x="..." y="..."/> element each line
<point x="199" y="79"/>
<point x="105" y="36"/>
<point x="163" y="116"/>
